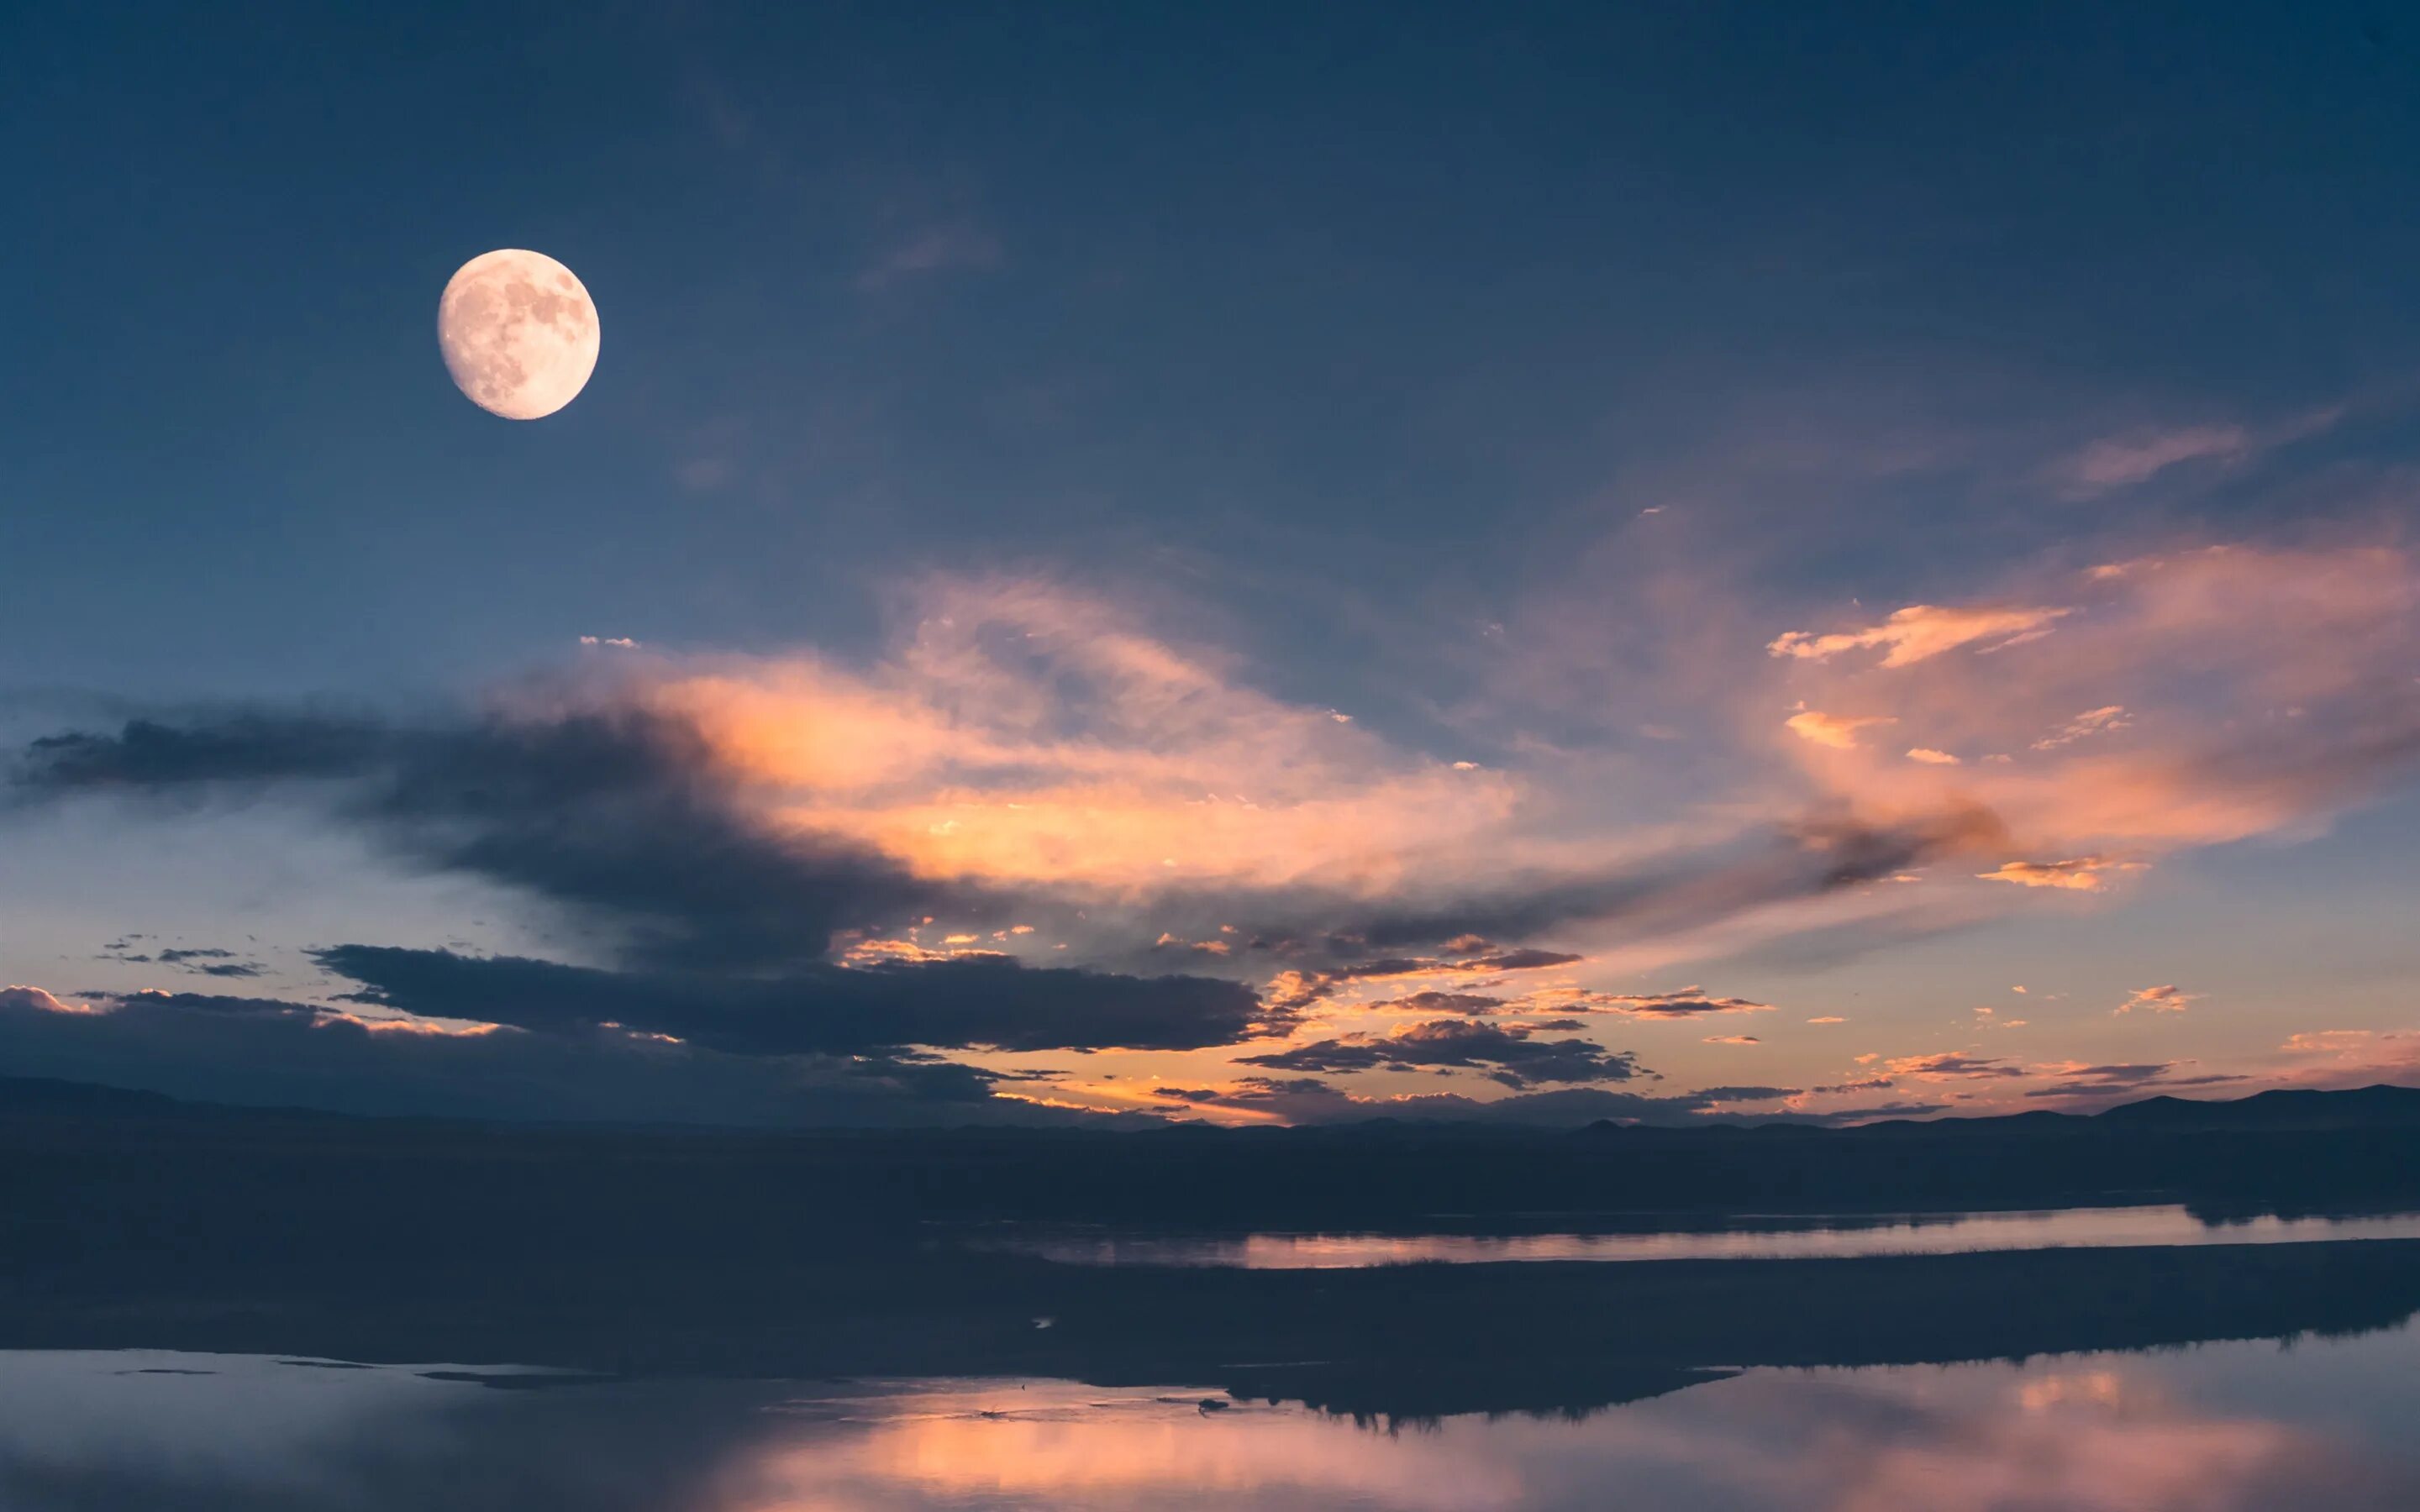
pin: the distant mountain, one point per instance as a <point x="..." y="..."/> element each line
<point x="34" y="1094"/>
<point x="2379" y="1106"/>
<point x="2365" y="1107"/>
<point x="2299" y="1108"/>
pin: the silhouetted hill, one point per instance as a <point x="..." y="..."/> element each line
<point x="31" y="1094"/>
<point x="133" y="1220"/>
<point x="89" y="1152"/>
<point x="2379" y="1106"/>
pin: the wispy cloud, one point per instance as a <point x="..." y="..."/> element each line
<point x="2130" y="458"/>
<point x="2082" y="874"/>
<point x="2138" y="456"/>
<point x="1953" y="1066"/>
<point x="2090" y="722"/>
<point x="1837" y="731"/>
<point x="2165" y="998"/>
<point x="957" y="247"/>
<point x="1923" y="631"/>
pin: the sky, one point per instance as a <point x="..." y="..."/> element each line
<point x="1126" y="564"/>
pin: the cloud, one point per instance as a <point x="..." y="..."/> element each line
<point x="1436" y="1002"/>
<point x="2122" y="461"/>
<point x="956" y="248"/>
<point x="1687" y="1002"/>
<point x="616" y="813"/>
<point x="1806" y="858"/>
<point x="1019" y="751"/>
<point x="264" y="1052"/>
<point x="1732" y="1039"/>
<point x="2118" y="1082"/>
<point x="1922" y="631"/>
<point x="2082" y="874"/>
<point x="1296" y="989"/>
<point x="1952" y="1065"/>
<point x="2167" y="998"/>
<point x="1837" y="731"/>
<point x="2260" y="689"/>
<point x="2090" y="722"/>
<point x="1508" y="1054"/>
<point x="988" y="1001"/>
<point x="1931" y="757"/>
<point x="2350" y="1057"/>
<point x="2328" y="1042"/>
<point x="199" y="961"/>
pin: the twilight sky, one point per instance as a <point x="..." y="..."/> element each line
<point x="1245" y="564"/>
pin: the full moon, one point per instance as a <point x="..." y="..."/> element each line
<point x="519" y="333"/>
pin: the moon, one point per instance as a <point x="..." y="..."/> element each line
<point x="519" y="333"/>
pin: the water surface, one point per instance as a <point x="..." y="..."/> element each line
<point x="1748" y="1237"/>
<point x="2218" y="1427"/>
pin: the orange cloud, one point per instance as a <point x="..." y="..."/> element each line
<point x="2084" y="873"/>
<point x="2090" y="722"/>
<point x="2328" y="1042"/>
<point x="1922" y="631"/>
<point x="2260" y="689"/>
<point x="1837" y="731"/>
<point x="41" y="1001"/>
<point x="1951" y="1066"/>
<point x="2167" y="998"/>
<point x="1021" y="733"/>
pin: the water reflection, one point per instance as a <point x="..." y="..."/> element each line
<point x="2222" y="1427"/>
<point x="1745" y="1238"/>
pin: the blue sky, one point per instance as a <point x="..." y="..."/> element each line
<point x="1511" y="385"/>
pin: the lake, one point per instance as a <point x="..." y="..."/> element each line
<point x="2213" y="1428"/>
<point x="1748" y="1237"/>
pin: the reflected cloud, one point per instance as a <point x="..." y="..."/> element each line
<point x="2217" y="1429"/>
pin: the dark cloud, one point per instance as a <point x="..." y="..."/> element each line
<point x="239" y="748"/>
<point x="203" y="961"/>
<point x="1436" y="1002"/>
<point x="991" y="1001"/>
<point x="618" y="815"/>
<point x="199" y="962"/>
<point x="1187" y="1094"/>
<point x="2089" y="1081"/>
<point x="1878" y="1084"/>
<point x="1410" y="965"/>
<point x="1523" y="960"/>
<point x="1508" y="1054"/>
<point x="1815" y="856"/>
<point x="1954" y="1066"/>
<point x="1688" y="1002"/>
<point x="1749" y="1094"/>
<point x="266" y="1052"/>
